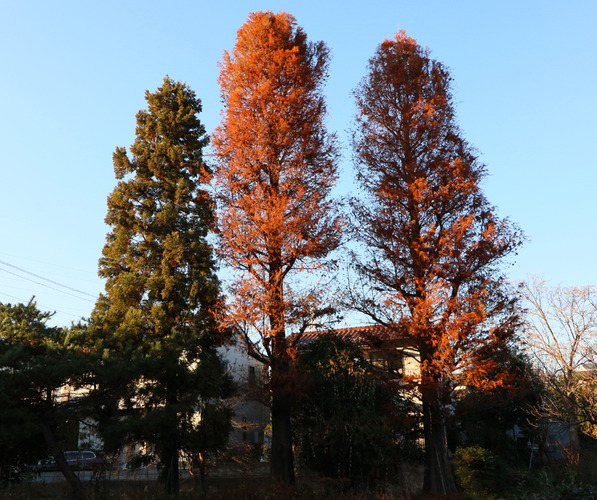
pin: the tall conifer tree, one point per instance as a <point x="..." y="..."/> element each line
<point x="433" y="243"/>
<point x="158" y="312"/>
<point x="276" y="219"/>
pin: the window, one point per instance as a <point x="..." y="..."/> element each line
<point x="390" y="360"/>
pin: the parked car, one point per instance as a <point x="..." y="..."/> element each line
<point x="77" y="460"/>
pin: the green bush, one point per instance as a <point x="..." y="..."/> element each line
<point x="565" y="485"/>
<point x="479" y="472"/>
<point x="349" y="422"/>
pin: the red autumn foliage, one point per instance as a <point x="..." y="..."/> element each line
<point x="276" y="167"/>
<point x="433" y="243"/>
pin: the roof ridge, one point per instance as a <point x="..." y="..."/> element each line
<point x="353" y="333"/>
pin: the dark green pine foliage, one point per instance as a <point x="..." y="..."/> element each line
<point x="39" y="366"/>
<point x="351" y="420"/>
<point x="157" y="318"/>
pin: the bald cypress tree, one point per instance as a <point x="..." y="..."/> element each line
<point x="434" y="246"/>
<point x="277" y="222"/>
<point x="157" y="318"/>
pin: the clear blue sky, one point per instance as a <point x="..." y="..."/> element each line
<point x="73" y="75"/>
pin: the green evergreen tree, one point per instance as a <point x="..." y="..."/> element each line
<point x="39" y="366"/>
<point x="157" y="318"/>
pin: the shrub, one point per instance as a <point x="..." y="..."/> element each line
<point x="565" y="485"/>
<point x="478" y="471"/>
<point x="350" y="423"/>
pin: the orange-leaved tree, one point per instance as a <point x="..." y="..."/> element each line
<point x="275" y="169"/>
<point x="430" y="270"/>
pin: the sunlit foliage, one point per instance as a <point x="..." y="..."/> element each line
<point x="276" y="167"/>
<point x="432" y="241"/>
<point x="157" y="318"/>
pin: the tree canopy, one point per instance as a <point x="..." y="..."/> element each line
<point x="433" y="244"/>
<point x="276" y="220"/>
<point x="560" y="338"/>
<point x="42" y="372"/>
<point x="157" y="318"/>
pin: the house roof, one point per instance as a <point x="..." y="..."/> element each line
<point x="589" y="366"/>
<point x="372" y="335"/>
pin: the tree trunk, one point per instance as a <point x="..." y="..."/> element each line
<point x="171" y="476"/>
<point x="573" y="423"/>
<point x="5" y="473"/>
<point x="282" y="459"/>
<point x="202" y="475"/>
<point x="71" y="478"/>
<point x="171" y="447"/>
<point x="439" y="477"/>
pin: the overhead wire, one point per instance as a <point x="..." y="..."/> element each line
<point x="65" y="289"/>
<point x="47" y="286"/>
<point x="42" y="278"/>
<point x="41" y="305"/>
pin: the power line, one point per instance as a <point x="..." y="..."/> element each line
<point x="45" y="279"/>
<point x="47" y="286"/>
<point x="13" y="297"/>
<point x="50" y="309"/>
